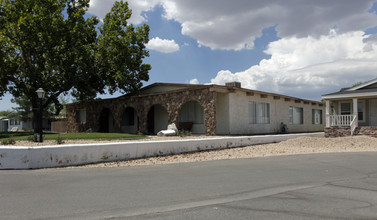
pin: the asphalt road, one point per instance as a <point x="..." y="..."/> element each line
<point x="318" y="186"/>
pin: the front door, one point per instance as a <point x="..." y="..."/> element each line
<point x="373" y="112"/>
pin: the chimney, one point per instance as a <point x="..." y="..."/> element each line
<point x="233" y="84"/>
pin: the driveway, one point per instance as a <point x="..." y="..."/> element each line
<point x="318" y="186"/>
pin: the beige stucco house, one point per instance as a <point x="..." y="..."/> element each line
<point x="352" y="110"/>
<point x="203" y="109"/>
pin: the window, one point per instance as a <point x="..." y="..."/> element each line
<point x="360" y="111"/>
<point x="316" y="116"/>
<point x="296" y="115"/>
<point x="345" y="108"/>
<point x="259" y="113"/>
<point x="81" y="116"/>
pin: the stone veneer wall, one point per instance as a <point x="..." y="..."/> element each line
<point x="172" y="101"/>
<point x="337" y="131"/>
<point x="346" y="131"/>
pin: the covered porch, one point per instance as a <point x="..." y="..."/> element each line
<point x="352" y="111"/>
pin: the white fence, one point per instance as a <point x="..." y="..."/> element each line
<point x="341" y="120"/>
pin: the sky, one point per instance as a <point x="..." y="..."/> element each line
<point x="300" y="48"/>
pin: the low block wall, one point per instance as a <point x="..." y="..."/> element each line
<point x="78" y="154"/>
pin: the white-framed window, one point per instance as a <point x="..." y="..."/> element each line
<point x="296" y="115"/>
<point x="259" y="113"/>
<point x="81" y="116"/>
<point x="316" y="116"/>
<point x="346" y="109"/>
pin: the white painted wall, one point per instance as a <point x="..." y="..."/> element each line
<point x="279" y="112"/>
<point x="222" y="113"/>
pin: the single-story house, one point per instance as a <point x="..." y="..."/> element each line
<point x="3" y="124"/>
<point x="203" y="109"/>
<point x="352" y="110"/>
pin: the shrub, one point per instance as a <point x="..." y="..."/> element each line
<point x="9" y="141"/>
<point x="60" y="140"/>
<point x="33" y="138"/>
<point x="184" y="133"/>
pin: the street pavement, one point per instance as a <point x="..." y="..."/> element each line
<point x="317" y="186"/>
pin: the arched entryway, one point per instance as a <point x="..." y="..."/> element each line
<point x="129" y="123"/>
<point x="191" y="117"/>
<point x="157" y="119"/>
<point x="106" y="121"/>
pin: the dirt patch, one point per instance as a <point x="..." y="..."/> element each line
<point x="301" y="145"/>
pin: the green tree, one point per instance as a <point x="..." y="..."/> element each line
<point x="52" y="44"/>
<point x="5" y="113"/>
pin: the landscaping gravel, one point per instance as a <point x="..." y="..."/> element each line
<point x="301" y="145"/>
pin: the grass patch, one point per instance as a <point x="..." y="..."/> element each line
<point x="23" y="136"/>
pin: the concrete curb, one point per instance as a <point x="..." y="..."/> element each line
<point x="18" y="157"/>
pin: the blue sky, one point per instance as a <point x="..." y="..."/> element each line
<point x="303" y="49"/>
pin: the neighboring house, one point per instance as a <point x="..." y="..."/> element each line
<point x="14" y="124"/>
<point x="3" y="124"/>
<point x="203" y="109"/>
<point x="352" y="110"/>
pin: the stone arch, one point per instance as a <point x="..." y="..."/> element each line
<point x="106" y="121"/>
<point x="191" y="117"/>
<point x="129" y="121"/>
<point x="157" y="119"/>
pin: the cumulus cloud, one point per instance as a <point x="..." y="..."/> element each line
<point x="101" y="7"/>
<point x="194" y="81"/>
<point x="162" y="45"/>
<point x="309" y="66"/>
<point x="234" y="25"/>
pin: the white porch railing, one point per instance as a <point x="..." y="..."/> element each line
<point x="353" y="124"/>
<point x="344" y="120"/>
<point x="341" y="120"/>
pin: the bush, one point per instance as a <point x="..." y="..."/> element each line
<point x="9" y="141"/>
<point x="184" y="133"/>
<point x="60" y="140"/>
<point x="33" y="138"/>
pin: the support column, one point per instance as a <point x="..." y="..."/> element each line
<point x="327" y="113"/>
<point x="355" y="111"/>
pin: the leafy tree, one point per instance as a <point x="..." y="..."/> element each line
<point x="50" y="44"/>
<point x="5" y="113"/>
<point x="357" y="84"/>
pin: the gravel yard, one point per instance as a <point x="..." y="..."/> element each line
<point x="301" y="145"/>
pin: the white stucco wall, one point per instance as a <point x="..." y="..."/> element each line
<point x="222" y="113"/>
<point x="279" y="112"/>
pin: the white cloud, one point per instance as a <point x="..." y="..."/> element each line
<point x="162" y="45"/>
<point x="310" y="66"/>
<point x="101" y="7"/>
<point x="234" y="25"/>
<point x="194" y="81"/>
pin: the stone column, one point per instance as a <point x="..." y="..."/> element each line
<point x="210" y="115"/>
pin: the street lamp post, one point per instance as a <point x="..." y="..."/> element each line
<point x="41" y="94"/>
